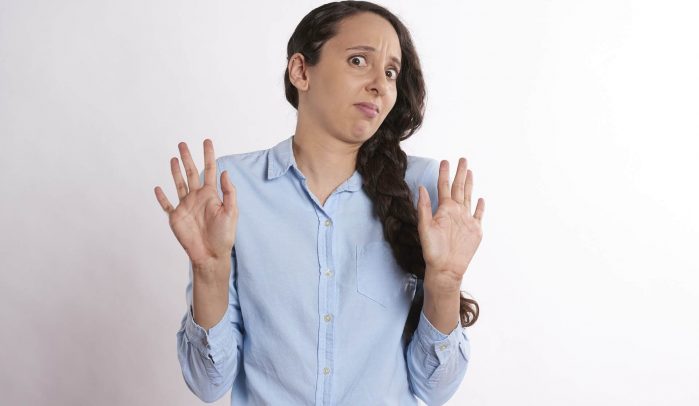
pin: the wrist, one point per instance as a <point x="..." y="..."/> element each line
<point x="441" y="283"/>
<point x="212" y="273"/>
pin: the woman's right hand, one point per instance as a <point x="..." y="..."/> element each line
<point x="204" y="226"/>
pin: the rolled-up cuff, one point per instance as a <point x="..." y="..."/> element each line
<point x="434" y="342"/>
<point x="213" y="343"/>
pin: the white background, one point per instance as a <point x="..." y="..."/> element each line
<point x="579" y="121"/>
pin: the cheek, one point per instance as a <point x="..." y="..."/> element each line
<point x="392" y="101"/>
<point x="325" y="99"/>
<point x="334" y="93"/>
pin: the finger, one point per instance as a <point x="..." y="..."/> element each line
<point x="443" y="181"/>
<point x="180" y="185"/>
<point x="189" y="167"/>
<point x="229" y="196"/>
<point x="469" y="189"/>
<point x="209" y="163"/>
<point x="162" y="199"/>
<point x="457" y="188"/>
<point x="480" y="209"/>
<point x="424" y="208"/>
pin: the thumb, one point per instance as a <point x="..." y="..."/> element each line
<point x="228" y="192"/>
<point x="424" y="208"/>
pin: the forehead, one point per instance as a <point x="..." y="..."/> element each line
<point x="366" y="29"/>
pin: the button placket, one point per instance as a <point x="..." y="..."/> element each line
<point x="325" y="358"/>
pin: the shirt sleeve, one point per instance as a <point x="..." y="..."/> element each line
<point x="437" y="362"/>
<point x="210" y="360"/>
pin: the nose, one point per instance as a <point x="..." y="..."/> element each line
<point x="379" y="82"/>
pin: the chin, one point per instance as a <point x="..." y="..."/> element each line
<point x="363" y="136"/>
<point x="363" y="131"/>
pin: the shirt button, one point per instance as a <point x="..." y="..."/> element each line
<point x="328" y="222"/>
<point x="328" y="317"/>
<point x="443" y="347"/>
<point x="328" y="273"/>
<point x="326" y="371"/>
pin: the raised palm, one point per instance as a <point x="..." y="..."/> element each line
<point x="203" y="224"/>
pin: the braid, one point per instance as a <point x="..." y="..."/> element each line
<point x="381" y="161"/>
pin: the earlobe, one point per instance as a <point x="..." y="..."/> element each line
<point x="297" y="72"/>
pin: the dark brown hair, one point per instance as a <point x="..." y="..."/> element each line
<point x="380" y="160"/>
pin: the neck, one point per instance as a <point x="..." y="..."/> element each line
<point x="325" y="161"/>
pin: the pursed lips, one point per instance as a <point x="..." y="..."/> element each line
<point x="369" y="106"/>
<point x="369" y="109"/>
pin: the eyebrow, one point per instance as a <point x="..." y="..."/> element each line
<point x="372" y="49"/>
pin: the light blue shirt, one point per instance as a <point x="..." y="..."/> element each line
<point x="317" y="302"/>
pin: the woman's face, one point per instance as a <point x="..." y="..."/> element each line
<point x="358" y="65"/>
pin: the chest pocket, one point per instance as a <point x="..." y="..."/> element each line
<point x="380" y="278"/>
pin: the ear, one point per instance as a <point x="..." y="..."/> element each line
<point x="297" y="70"/>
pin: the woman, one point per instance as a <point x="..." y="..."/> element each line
<point x="314" y="278"/>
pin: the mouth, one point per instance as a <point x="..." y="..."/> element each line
<point x="368" y="109"/>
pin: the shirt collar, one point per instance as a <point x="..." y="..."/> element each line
<point x="281" y="157"/>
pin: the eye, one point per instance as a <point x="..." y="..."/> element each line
<point x="394" y="75"/>
<point x="356" y="57"/>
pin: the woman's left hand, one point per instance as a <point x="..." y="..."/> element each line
<point x="449" y="238"/>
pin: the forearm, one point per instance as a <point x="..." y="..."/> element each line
<point x="441" y="303"/>
<point x="210" y="292"/>
<point x="210" y="353"/>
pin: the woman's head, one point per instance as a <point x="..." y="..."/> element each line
<point x="324" y="80"/>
